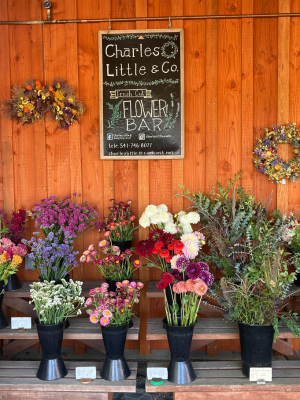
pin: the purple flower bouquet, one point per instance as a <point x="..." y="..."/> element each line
<point x="52" y="260"/>
<point x="64" y="215"/>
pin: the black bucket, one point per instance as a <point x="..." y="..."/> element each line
<point x="180" y="369"/>
<point x="13" y="283"/>
<point x="3" y="321"/>
<point x="256" y="346"/>
<point x="122" y="244"/>
<point x="112" y="284"/>
<point x="52" y="366"/>
<point x="115" y="367"/>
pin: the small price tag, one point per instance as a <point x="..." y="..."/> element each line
<point x="260" y="375"/>
<point x="20" y="322"/>
<point x="85" y="372"/>
<point x="161" y="373"/>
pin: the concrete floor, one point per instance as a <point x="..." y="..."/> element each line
<point x="132" y="355"/>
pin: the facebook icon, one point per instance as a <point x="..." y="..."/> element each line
<point x="109" y="136"/>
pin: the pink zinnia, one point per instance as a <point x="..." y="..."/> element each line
<point x="91" y="247"/>
<point x="104" y="321"/>
<point x="125" y="283"/>
<point x="92" y="292"/>
<point x="200" y="288"/>
<point x="104" y="284"/>
<point x="140" y="285"/>
<point x="88" y="301"/>
<point x="133" y="285"/>
<point x="179" y="287"/>
<point x="107" y="234"/>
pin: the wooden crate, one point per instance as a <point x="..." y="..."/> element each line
<point x="18" y="381"/>
<point x="224" y="380"/>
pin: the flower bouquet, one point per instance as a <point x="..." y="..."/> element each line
<point x="51" y="259"/>
<point x="114" y="311"/>
<point x="13" y="230"/>
<point x="64" y="215"/>
<point x="28" y="104"/>
<point x="64" y="106"/>
<point x="115" y="266"/>
<point x="256" y="301"/>
<point x="54" y="304"/>
<point x="158" y="216"/>
<point x="225" y="218"/>
<point x="11" y="256"/>
<point x="119" y="225"/>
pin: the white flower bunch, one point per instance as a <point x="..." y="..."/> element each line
<point x="159" y="215"/>
<point x="185" y="221"/>
<point x="54" y="303"/>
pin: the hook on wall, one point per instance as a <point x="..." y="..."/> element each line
<point x="47" y="5"/>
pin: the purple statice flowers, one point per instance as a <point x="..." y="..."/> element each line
<point x="52" y="260"/>
<point x="63" y="215"/>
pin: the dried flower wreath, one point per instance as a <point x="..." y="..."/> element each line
<point x="267" y="159"/>
<point x="31" y="102"/>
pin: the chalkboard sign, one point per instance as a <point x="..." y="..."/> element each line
<point x="141" y="94"/>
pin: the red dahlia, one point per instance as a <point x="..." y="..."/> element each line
<point x="167" y="277"/>
<point x="171" y="246"/>
<point x="161" y="285"/>
<point x="156" y="234"/>
<point x="144" y="247"/>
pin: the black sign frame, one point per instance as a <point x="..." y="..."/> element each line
<point x="166" y="113"/>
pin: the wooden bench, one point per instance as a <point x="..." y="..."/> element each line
<point x="81" y="329"/>
<point x="18" y="381"/>
<point x="208" y="330"/>
<point x="217" y="380"/>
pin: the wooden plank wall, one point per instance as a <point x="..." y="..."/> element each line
<point x="241" y="75"/>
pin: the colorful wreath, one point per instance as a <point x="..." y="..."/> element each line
<point x="174" y="48"/>
<point x="31" y="102"/>
<point x="267" y="160"/>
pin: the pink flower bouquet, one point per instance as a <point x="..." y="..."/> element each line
<point x="11" y="256"/>
<point x="112" y="264"/>
<point x="113" y="308"/>
<point x="188" y="281"/>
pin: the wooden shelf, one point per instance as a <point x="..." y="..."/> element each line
<point x="18" y="380"/>
<point x="224" y="379"/>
